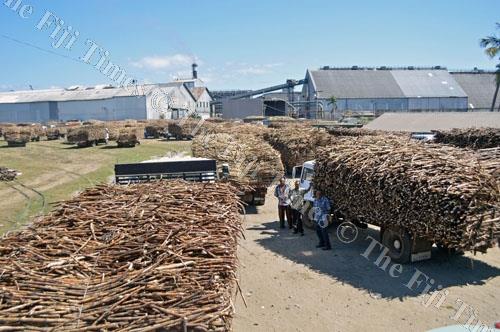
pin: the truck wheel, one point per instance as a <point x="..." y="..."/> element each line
<point x="399" y="243"/>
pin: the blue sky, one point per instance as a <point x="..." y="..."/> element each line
<point x="239" y="44"/>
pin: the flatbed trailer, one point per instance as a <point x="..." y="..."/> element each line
<point x="199" y="170"/>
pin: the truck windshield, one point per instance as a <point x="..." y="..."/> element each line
<point x="307" y="175"/>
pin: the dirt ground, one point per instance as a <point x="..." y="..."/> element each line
<point x="289" y="285"/>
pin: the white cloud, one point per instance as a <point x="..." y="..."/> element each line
<point x="164" y="61"/>
<point x="253" y="71"/>
<point x="261" y="69"/>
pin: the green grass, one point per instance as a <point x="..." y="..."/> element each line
<point x="57" y="171"/>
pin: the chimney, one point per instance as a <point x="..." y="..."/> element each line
<point x="195" y="72"/>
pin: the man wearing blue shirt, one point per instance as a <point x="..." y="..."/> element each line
<point x="321" y="210"/>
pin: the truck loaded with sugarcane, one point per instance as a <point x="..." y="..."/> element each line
<point x="419" y="195"/>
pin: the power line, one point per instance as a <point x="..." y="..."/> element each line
<point x="40" y="48"/>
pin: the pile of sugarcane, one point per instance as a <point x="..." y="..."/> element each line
<point x="4" y="126"/>
<point x="186" y="128"/>
<point x="297" y="145"/>
<point x="445" y="194"/>
<point x="475" y="138"/>
<point x="353" y="132"/>
<point x="253" y="163"/>
<point x="7" y="174"/>
<point x="156" y="256"/>
<point x="127" y="138"/>
<point x="86" y="135"/>
<point x="280" y="121"/>
<point x="53" y="133"/>
<point x="155" y="128"/>
<point x="235" y="128"/>
<point x="153" y="131"/>
<point x="17" y="136"/>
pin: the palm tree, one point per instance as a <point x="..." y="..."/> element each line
<point x="333" y="101"/>
<point x="492" y="49"/>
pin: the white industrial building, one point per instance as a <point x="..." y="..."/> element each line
<point x="150" y="101"/>
<point x="379" y="90"/>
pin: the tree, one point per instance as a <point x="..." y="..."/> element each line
<point x="492" y="49"/>
<point x="333" y="101"/>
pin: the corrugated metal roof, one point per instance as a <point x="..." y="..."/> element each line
<point x="427" y="121"/>
<point x="427" y="83"/>
<point x="480" y="88"/>
<point x="32" y="96"/>
<point x="345" y="83"/>
<point x="356" y="84"/>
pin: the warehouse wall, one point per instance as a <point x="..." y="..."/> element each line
<point x="25" y="112"/>
<point x="203" y="105"/>
<point x="241" y="108"/>
<point x="117" y="108"/>
<point x="381" y="105"/>
<point x="443" y="103"/>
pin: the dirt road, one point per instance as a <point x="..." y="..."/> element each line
<point x="289" y="285"/>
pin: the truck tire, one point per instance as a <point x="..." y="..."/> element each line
<point x="399" y="244"/>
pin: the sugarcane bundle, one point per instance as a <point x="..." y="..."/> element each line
<point x="4" y="126"/>
<point x="185" y="128"/>
<point x="127" y="138"/>
<point x="63" y="131"/>
<point x="17" y="136"/>
<point x="252" y="161"/>
<point x="113" y="132"/>
<point x="475" y="138"/>
<point x="53" y="133"/>
<point x="297" y="145"/>
<point x="440" y="193"/>
<point x="153" y="131"/>
<point x="37" y="132"/>
<point x="280" y="121"/>
<point x="216" y="120"/>
<point x="7" y="174"/>
<point x="353" y="132"/>
<point x="73" y="123"/>
<point x="235" y="128"/>
<point x="158" y="256"/>
<point x="86" y="135"/>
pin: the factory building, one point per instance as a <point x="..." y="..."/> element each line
<point x="150" y="101"/>
<point x="479" y="85"/>
<point x="379" y="90"/>
<point x="98" y="103"/>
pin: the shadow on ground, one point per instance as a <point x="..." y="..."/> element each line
<point x="346" y="264"/>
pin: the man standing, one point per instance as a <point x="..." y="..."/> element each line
<point x="282" y="192"/>
<point x="321" y="210"/>
<point x="297" y="202"/>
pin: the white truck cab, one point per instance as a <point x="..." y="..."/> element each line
<point x="305" y="174"/>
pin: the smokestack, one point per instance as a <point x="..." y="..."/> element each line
<point x="195" y="72"/>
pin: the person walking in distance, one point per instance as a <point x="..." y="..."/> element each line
<point x="296" y="205"/>
<point x="321" y="210"/>
<point x="282" y="192"/>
